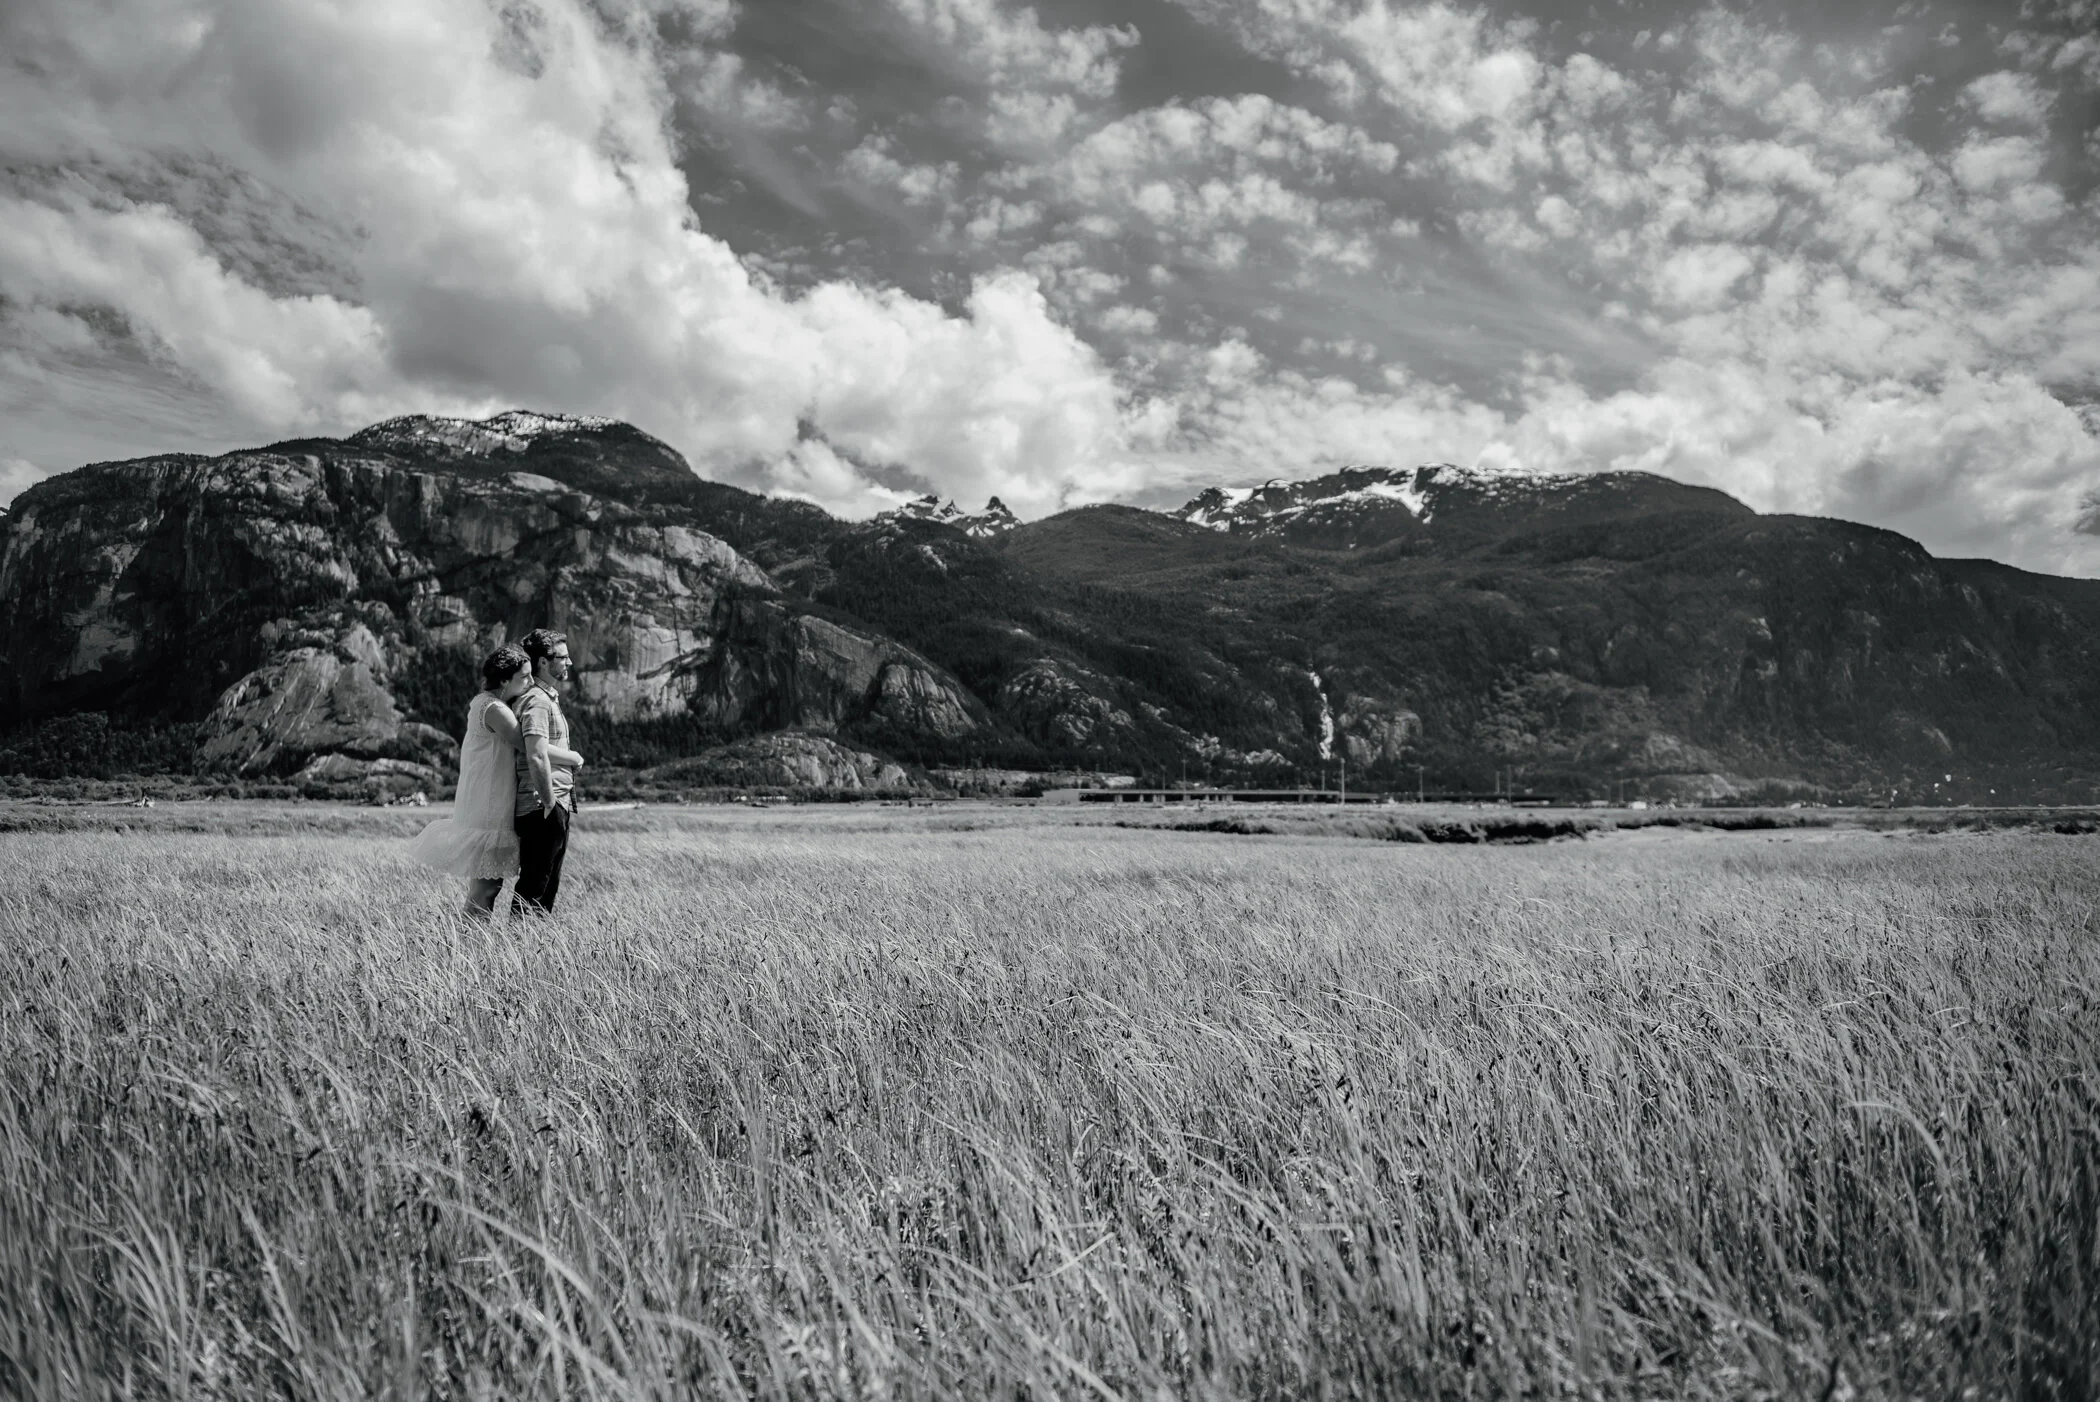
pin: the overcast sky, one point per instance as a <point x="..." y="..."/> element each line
<point x="1835" y="258"/>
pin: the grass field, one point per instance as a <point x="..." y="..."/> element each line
<point x="1003" y="1103"/>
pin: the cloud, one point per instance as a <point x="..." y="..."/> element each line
<point x="1239" y="416"/>
<point x="2014" y="98"/>
<point x="1432" y="63"/>
<point x="1029" y="84"/>
<point x="1007" y="46"/>
<point x="1700" y="278"/>
<point x="721" y="85"/>
<point x="1450" y="72"/>
<point x="1212" y="177"/>
<point x="1980" y="465"/>
<point x="281" y="360"/>
<point x="1004" y="401"/>
<point x="1719" y="252"/>
<point x="1847" y="322"/>
<point x="515" y="229"/>
<point x="1988" y="164"/>
<point x="874" y="166"/>
<point x="17" y="475"/>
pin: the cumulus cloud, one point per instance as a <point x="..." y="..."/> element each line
<point x="1716" y="251"/>
<point x="1002" y="401"/>
<point x="281" y="359"/>
<point x="2008" y="97"/>
<point x="722" y="85"/>
<point x="1978" y="465"/>
<point x="1449" y="71"/>
<point x="1009" y="47"/>
<point x="16" y="475"/>
<point x="517" y="230"/>
<point x="1241" y="415"/>
<point x="873" y="164"/>
<point x="1201" y="176"/>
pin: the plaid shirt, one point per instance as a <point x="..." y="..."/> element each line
<point x="539" y="713"/>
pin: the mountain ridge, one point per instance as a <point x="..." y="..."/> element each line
<point x="1573" y="630"/>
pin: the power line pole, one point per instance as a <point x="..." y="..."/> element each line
<point x="1345" y="779"/>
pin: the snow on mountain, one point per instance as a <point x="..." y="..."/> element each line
<point x="512" y="432"/>
<point x="993" y="520"/>
<point x="1216" y="507"/>
<point x="1417" y="489"/>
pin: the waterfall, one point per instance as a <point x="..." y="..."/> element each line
<point x="1326" y="717"/>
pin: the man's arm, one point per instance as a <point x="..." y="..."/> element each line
<point x="499" y="719"/>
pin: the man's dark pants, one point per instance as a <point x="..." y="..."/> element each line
<point x="543" y="840"/>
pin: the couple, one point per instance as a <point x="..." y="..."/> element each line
<point x="517" y="775"/>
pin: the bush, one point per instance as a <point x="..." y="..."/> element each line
<point x="90" y="745"/>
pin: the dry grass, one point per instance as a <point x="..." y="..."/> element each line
<point x="872" y="1104"/>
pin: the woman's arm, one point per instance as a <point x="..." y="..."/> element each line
<point x="500" y="719"/>
<point x="504" y="722"/>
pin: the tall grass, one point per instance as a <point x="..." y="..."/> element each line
<point x="831" y="1109"/>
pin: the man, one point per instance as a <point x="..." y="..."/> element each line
<point x="545" y="792"/>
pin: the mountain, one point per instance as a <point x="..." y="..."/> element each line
<point x="1373" y="505"/>
<point x="1572" y="630"/>
<point x="995" y="519"/>
<point x="325" y="600"/>
<point x="315" y="610"/>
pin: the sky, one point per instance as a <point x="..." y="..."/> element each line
<point x="1838" y="259"/>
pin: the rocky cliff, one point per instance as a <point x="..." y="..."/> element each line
<point x="787" y="760"/>
<point x="329" y="601"/>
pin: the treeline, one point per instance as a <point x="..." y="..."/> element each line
<point x="644" y="744"/>
<point x="92" y="745"/>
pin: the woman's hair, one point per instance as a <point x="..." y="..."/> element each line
<point x="501" y="665"/>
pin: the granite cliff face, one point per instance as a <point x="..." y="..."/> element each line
<point x="787" y="760"/>
<point x="326" y="600"/>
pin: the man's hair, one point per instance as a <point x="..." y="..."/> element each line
<point x="540" y="643"/>
<point x="501" y="665"/>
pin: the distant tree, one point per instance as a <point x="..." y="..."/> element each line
<point x="90" y="745"/>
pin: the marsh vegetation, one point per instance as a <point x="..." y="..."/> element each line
<point x="897" y="1104"/>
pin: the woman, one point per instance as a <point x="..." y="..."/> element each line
<point x="480" y="840"/>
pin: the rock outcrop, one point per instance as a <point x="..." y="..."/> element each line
<point x="787" y="760"/>
<point x="1375" y="731"/>
<point x="325" y="698"/>
<point x="327" y="598"/>
<point x="1065" y="706"/>
<point x="774" y="668"/>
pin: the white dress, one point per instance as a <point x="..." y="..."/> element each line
<point x="480" y="839"/>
